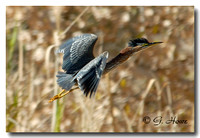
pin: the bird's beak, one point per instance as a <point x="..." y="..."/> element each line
<point x="154" y="43"/>
<point x="151" y="44"/>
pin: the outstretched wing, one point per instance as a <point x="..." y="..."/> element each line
<point x="89" y="76"/>
<point x="78" y="51"/>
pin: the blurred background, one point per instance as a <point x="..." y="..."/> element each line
<point x="155" y="82"/>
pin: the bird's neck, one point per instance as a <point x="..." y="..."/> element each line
<point x="121" y="57"/>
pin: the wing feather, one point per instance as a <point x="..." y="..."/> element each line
<point x="78" y="51"/>
<point x="89" y="76"/>
<point x="65" y="80"/>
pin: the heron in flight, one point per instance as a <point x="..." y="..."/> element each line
<point x="83" y="69"/>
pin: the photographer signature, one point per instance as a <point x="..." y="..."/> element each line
<point x="159" y="120"/>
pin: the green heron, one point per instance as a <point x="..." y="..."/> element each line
<point x="83" y="69"/>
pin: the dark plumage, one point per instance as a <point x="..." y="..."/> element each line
<point x="138" y="41"/>
<point x="79" y="64"/>
<point x="65" y="80"/>
<point x="78" y="51"/>
<point x="89" y="76"/>
<point x="82" y="68"/>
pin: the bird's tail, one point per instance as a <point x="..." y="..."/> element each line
<point x="65" y="80"/>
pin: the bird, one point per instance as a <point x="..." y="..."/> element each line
<point x="82" y="69"/>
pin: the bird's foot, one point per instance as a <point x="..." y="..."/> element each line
<point x="61" y="94"/>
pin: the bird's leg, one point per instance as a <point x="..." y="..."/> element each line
<point x="61" y="94"/>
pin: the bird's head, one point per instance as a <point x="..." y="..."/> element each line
<point x="141" y="42"/>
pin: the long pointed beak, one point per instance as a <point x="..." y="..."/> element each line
<point x="154" y="43"/>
